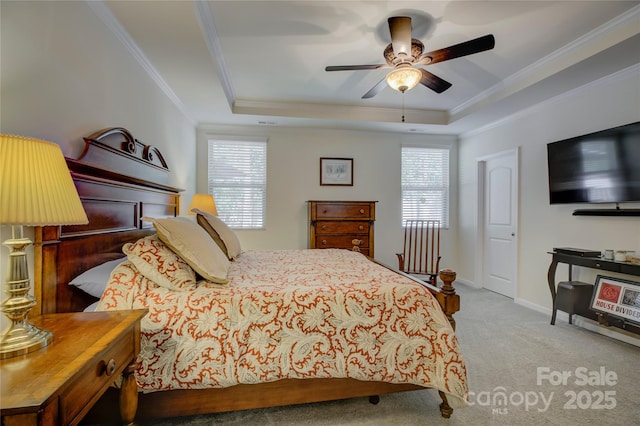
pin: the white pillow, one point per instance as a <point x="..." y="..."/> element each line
<point x="94" y="280"/>
<point x="92" y="307"/>
<point x="217" y="228"/>
<point x="194" y="245"/>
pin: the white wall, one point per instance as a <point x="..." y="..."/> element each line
<point x="610" y="102"/>
<point x="64" y="75"/>
<point x="293" y="170"/>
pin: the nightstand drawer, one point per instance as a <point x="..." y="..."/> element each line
<point x="331" y="227"/>
<point x="343" y="211"/>
<point x="95" y="377"/>
<point x="341" y="241"/>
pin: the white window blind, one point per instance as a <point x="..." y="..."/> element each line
<point x="425" y="184"/>
<point x="238" y="181"/>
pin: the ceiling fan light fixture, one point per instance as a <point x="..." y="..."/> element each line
<point x="404" y="78"/>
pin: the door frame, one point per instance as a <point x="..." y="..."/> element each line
<point x="479" y="266"/>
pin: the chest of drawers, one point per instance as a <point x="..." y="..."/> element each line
<point x="335" y="224"/>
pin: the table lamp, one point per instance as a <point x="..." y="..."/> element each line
<point x="203" y="202"/>
<point x="36" y="189"/>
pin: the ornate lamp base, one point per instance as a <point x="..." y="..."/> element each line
<point x="20" y="337"/>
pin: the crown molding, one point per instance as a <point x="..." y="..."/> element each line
<point x="338" y="112"/>
<point x="208" y="27"/>
<point x="103" y="12"/>
<point x="542" y="106"/>
<point x="615" y="31"/>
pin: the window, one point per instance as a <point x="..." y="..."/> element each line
<point x="238" y="181"/>
<point x="425" y="184"/>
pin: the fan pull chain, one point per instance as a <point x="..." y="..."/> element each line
<point x="403" y="106"/>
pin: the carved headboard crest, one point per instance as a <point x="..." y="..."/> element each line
<point x="119" y="180"/>
<point x="116" y="147"/>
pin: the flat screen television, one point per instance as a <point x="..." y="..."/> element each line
<point x="600" y="167"/>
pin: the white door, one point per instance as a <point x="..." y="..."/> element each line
<point x="500" y="215"/>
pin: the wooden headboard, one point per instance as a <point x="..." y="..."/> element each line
<point x="119" y="180"/>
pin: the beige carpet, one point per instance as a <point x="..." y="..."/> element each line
<point x="511" y="352"/>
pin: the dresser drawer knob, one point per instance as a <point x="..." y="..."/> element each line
<point x="361" y="227"/>
<point x="361" y="211"/>
<point x="110" y="367"/>
<point x="324" y="227"/>
<point x="324" y="242"/>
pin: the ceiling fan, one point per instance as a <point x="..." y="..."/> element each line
<point x="405" y="52"/>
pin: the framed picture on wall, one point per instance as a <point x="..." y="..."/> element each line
<point x="336" y="171"/>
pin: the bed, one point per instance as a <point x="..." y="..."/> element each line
<point x="122" y="181"/>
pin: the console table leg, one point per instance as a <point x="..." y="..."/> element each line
<point x="551" y="280"/>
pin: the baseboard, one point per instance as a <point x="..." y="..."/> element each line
<point x="465" y="282"/>
<point x="586" y="323"/>
<point x="537" y="308"/>
<point x="613" y="332"/>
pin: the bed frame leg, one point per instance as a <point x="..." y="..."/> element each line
<point x="374" y="399"/>
<point x="447" y="296"/>
<point x="445" y="408"/>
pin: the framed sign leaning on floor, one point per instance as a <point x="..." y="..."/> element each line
<point x="617" y="297"/>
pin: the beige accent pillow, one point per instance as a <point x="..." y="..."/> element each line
<point x="202" y="221"/>
<point x="194" y="245"/>
<point x="220" y="231"/>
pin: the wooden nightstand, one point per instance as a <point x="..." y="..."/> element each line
<point x="60" y="383"/>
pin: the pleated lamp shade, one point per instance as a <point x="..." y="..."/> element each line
<point x="36" y="188"/>
<point x="203" y="202"/>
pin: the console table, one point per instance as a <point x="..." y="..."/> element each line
<point x="586" y="262"/>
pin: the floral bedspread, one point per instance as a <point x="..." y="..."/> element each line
<point x="292" y="314"/>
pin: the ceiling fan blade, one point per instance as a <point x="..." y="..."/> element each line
<point x="355" y="67"/>
<point x="376" y="89"/>
<point x="470" y="47"/>
<point x="434" y="82"/>
<point x="400" y="29"/>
